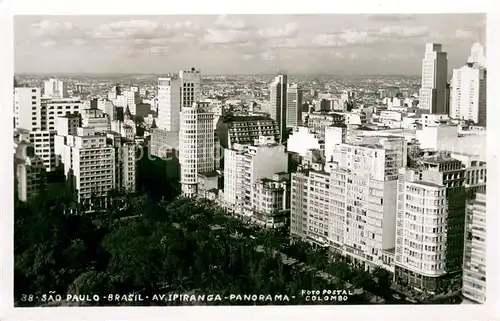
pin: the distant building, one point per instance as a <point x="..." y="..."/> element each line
<point x="433" y="95"/>
<point x="96" y="119"/>
<point x="278" y="103"/>
<point x="468" y="94"/>
<point x="245" y="129"/>
<point x="317" y="122"/>
<point x="54" y="88"/>
<point x="294" y="105"/>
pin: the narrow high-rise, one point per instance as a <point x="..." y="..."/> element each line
<point x="468" y="90"/>
<point x="174" y="92"/>
<point x="278" y="104"/>
<point x="196" y="145"/>
<point x="293" y="105"/>
<point x="433" y="91"/>
<point x="169" y="102"/>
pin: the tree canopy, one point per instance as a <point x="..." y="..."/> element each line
<point x="179" y="246"/>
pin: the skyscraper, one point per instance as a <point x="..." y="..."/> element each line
<point x="169" y="103"/>
<point x="468" y="94"/>
<point x="278" y="96"/>
<point x="468" y="88"/>
<point x="175" y="92"/>
<point x="196" y="144"/>
<point x="433" y="96"/>
<point x="293" y="105"/>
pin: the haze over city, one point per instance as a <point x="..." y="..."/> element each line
<point x="241" y="44"/>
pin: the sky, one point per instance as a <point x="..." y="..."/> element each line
<point x="241" y="44"/>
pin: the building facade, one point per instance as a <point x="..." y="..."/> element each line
<point x="468" y="94"/>
<point x="55" y="88"/>
<point x="433" y="91"/>
<point x="278" y="103"/>
<point x="430" y="223"/>
<point x="196" y="145"/>
<point x="474" y="267"/>
<point x="293" y="105"/>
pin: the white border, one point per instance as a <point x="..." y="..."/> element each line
<point x="489" y="311"/>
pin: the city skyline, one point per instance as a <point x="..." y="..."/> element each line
<point x="241" y="44"/>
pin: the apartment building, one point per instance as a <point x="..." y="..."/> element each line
<point x="468" y="94"/>
<point x="125" y="162"/>
<point x="233" y="177"/>
<point x="475" y="171"/>
<point x="370" y="166"/>
<point x="474" y="266"/>
<point x="88" y="161"/>
<point x="245" y="129"/>
<point x="262" y="160"/>
<point x="293" y="105"/>
<point x="310" y="205"/>
<point x="163" y="143"/>
<point x="44" y="144"/>
<point x="318" y="122"/>
<point x="29" y="172"/>
<point x="196" y="145"/>
<point x="349" y="203"/>
<point x="27" y="108"/>
<point x="96" y="119"/>
<point x="271" y="201"/>
<point x="430" y="223"/>
<point x="278" y="102"/>
<point x="169" y="102"/>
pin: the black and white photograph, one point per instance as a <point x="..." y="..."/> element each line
<point x="187" y="160"/>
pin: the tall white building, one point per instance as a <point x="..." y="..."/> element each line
<point x="477" y="55"/>
<point x="468" y="94"/>
<point x="429" y="222"/>
<point x="350" y="204"/>
<point x="370" y="167"/>
<point x="278" y="104"/>
<point x="293" y="105"/>
<point x="89" y="163"/>
<point x="196" y="145"/>
<point x="27" y="108"/>
<point x="175" y="92"/>
<point x="433" y="92"/>
<point x="191" y="87"/>
<point x="474" y="267"/>
<point x="169" y="103"/>
<point x="55" y="88"/>
<point x="233" y="176"/>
